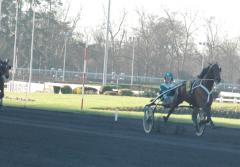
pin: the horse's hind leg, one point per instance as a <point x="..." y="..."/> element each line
<point x="165" y="118"/>
<point x="172" y="108"/>
<point x="1" y="104"/>
<point x="175" y="102"/>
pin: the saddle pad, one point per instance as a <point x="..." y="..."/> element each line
<point x="188" y="86"/>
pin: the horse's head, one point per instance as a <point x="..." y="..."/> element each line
<point x="216" y="71"/>
<point x="212" y="71"/>
<point x="4" y="68"/>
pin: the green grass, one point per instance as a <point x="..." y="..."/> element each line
<point x="226" y="106"/>
<point x="95" y="104"/>
<point x="71" y="102"/>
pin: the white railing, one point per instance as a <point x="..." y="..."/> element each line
<point x="228" y="97"/>
<point x="20" y="86"/>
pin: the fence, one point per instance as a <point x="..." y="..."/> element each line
<point x="55" y="75"/>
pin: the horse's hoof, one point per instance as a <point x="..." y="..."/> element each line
<point x="197" y="128"/>
<point x="165" y="119"/>
<point x="212" y="125"/>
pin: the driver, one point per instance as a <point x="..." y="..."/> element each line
<point x="167" y="98"/>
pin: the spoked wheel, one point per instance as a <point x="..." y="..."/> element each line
<point x="200" y="125"/>
<point x="148" y="118"/>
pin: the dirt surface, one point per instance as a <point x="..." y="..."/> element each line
<point x="35" y="138"/>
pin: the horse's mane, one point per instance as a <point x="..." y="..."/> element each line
<point x="1" y="61"/>
<point x="203" y="72"/>
<point x="206" y="69"/>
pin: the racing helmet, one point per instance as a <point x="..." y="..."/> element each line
<point x="168" y="75"/>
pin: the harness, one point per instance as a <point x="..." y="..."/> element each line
<point x="196" y="85"/>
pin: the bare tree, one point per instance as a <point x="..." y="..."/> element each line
<point x="146" y="41"/>
<point x="189" y="28"/>
<point x="176" y="47"/>
<point x="212" y="31"/>
<point x="229" y="59"/>
<point x="117" y="34"/>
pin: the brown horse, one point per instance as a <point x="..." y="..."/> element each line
<point x="199" y="93"/>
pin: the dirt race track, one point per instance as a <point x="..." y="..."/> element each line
<point x="35" y="138"/>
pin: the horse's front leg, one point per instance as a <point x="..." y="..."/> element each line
<point x="207" y="110"/>
<point x="194" y="115"/>
<point x="209" y="117"/>
<point x="1" y="92"/>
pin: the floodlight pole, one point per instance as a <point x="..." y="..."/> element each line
<point x="15" y="48"/>
<point x="133" y="55"/>
<point x="203" y="45"/>
<point x="32" y="46"/>
<point x="0" y="14"/>
<point x="64" y="58"/>
<point x="106" y="47"/>
<point x="84" y="75"/>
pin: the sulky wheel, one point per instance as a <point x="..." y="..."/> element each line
<point x="148" y="118"/>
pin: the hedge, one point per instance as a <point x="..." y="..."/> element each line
<point x="66" y="90"/>
<point x="125" y="92"/>
<point x="77" y="90"/>
<point x="87" y="90"/>
<point x="107" y="88"/>
<point x="56" y="89"/>
<point x="110" y="93"/>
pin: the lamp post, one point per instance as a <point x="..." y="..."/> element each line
<point x="203" y="44"/>
<point x="106" y="47"/>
